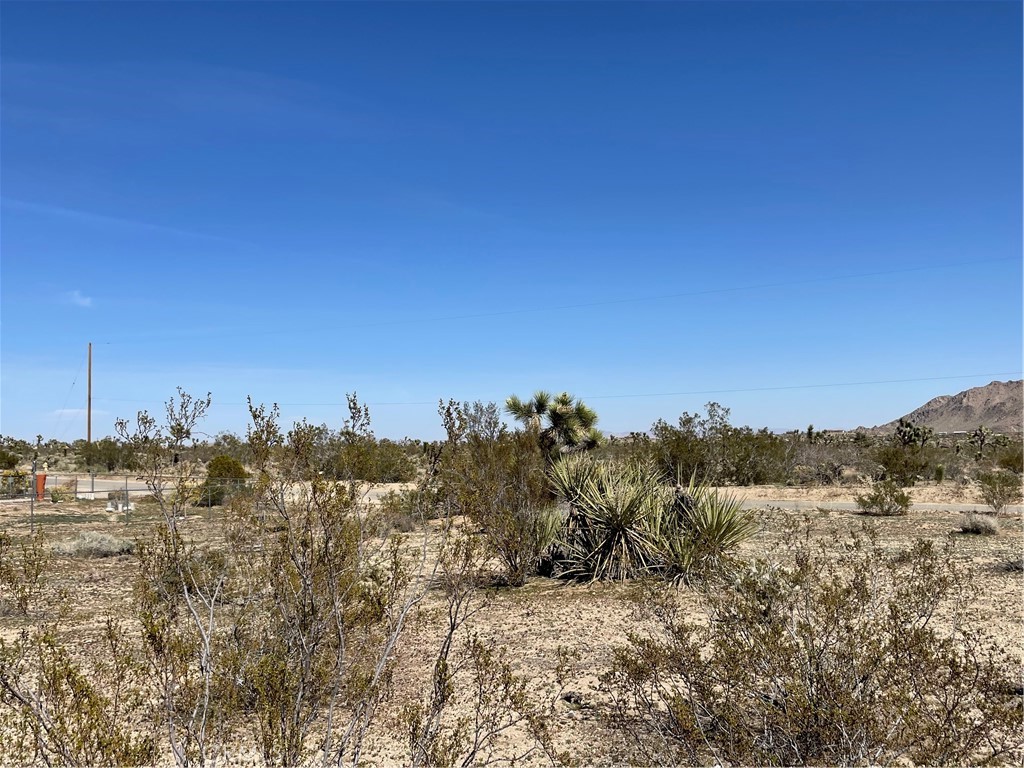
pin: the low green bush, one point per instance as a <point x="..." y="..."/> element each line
<point x="886" y="498"/>
<point x="1000" y="489"/>
<point x="224" y="476"/>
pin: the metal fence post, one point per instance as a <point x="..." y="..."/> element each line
<point x="32" y="501"/>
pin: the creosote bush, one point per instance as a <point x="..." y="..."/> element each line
<point x="497" y="479"/>
<point x="23" y="562"/>
<point x="1000" y="488"/>
<point x="821" y="660"/>
<point x="885" y="499"/>
<point x="56" y="711"/>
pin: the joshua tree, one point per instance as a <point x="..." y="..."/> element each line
<point x="562" y="423"/>
<point x="910" y="434"/>
<point x="981" y="437"/>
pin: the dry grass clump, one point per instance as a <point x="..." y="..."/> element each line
<point x="94" y="544"/>
<point x="979" y="525"/>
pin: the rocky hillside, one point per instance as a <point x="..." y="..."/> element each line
<point x="999" y="406"/>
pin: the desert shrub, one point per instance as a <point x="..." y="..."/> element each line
<point x="828" y="472"/>
<point x="710" y="449"/>
<point x="980" y="525"/>
<point x="885" y="498"/>
<point x="356" y="455"/>
<point x="374" y="461"/>
<point x="902" y="464"/>
<point x="94" y="544"/>
<point x="695" y="447"/>
<point x="999" y="489"/>
<point x="754" y="458"/>
<point x="108" y="453"/>
<point x="400" y="510"/>
<point x="497" y="479"/>
<point x="521" y="538"/>
<point x="14" y="483"/>
<point x="1011" y="457"/>
<point x="55" y="710"/>
<point x="294" y="624"/>
<point x="8" y="460"/>
<point x="822" y="660"/>
<point x="224" y="476"/>
<point x="23" y="562"/>
<point x="701" y="528"/>
<point x="408" y="507"/>
<point x="170" y="565"/>
<point x="468" y="673"/>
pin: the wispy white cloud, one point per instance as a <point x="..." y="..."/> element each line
<point x="78" y="299"/>
<point x="103" y="220"/>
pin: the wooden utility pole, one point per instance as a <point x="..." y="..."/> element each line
<point x="88" y="405"/>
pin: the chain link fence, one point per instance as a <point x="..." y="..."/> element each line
<point x="116" y="490"/>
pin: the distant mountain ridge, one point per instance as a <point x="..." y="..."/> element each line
<point x="998" y="406"/>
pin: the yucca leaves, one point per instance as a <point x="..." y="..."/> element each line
<point x="623" y="522"/>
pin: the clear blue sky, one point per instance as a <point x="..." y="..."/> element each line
<point x="420" y="201"/>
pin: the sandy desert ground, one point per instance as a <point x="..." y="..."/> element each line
<point x="532" y="622"/>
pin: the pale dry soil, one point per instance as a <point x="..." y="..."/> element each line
<point x="531" y="623"/>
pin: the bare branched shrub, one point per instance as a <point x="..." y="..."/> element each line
<point x="474" y="697"/>
<point x="864" y="657"/>
<point x="291" y="630"/>
<point x="180" y="591"/>
<point x="327" y="589"/>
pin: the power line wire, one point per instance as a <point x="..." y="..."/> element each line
<point x="63" y="408"/>
<point x="650" y="394"/>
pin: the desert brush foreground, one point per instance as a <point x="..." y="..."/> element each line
<point x="523" y="600"/>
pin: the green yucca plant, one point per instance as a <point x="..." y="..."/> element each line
<point x="609" y="533"/>
<point x="700" y="529"/>
<point x="623" y="522"/>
